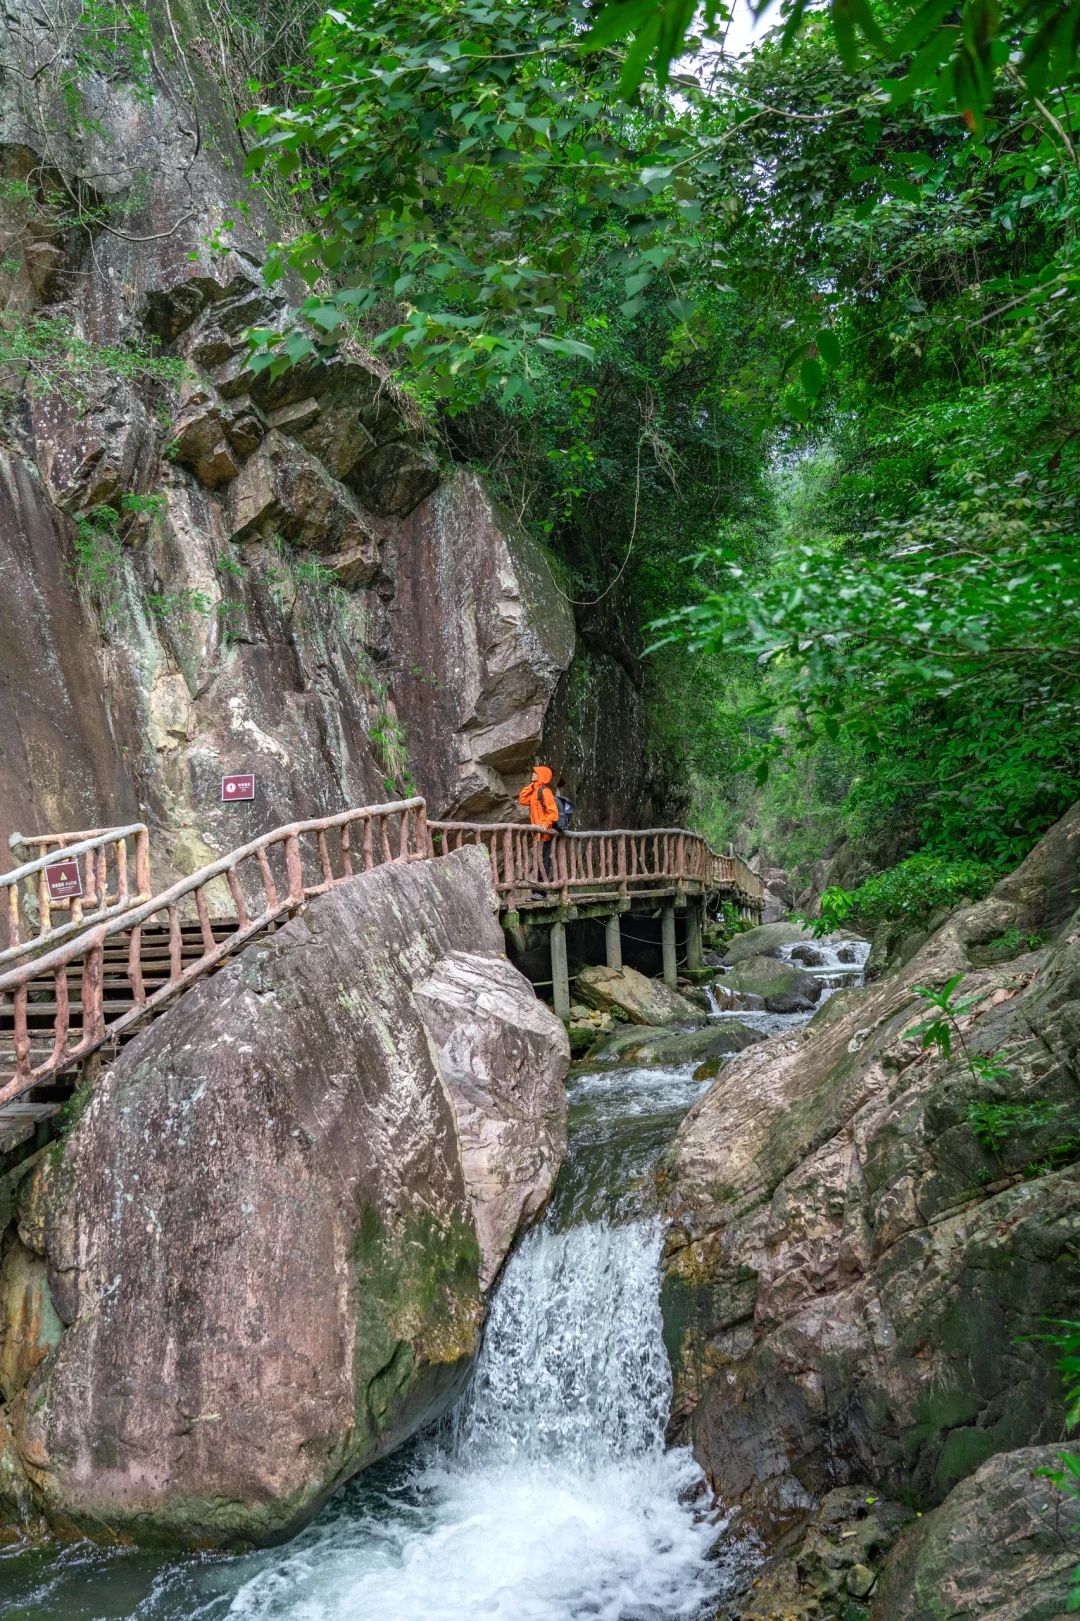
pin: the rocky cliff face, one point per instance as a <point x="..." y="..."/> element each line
<point x="204" y="569"/>
<point x="259" y="1259"/>
<point x="853" y="1273"/>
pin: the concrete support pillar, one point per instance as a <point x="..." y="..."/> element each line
<point x="560" y="983"/>
<point x="613" y="940"/>
<point x="667" y="934"/>
<point x="694" y="957"/>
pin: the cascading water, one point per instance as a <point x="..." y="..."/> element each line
<point x="837" y="963"/>
<point x="548" y="1496"/>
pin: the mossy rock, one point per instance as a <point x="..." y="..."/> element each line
<point x="783" y="987"/>
<point x="764" y="941"/>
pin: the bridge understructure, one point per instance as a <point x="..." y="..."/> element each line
<point x="84" y="970"/>
<point x="605" y="876"/>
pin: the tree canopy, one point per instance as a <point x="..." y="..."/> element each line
<point x="779" y="353"/>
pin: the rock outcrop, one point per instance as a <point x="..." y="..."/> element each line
<point x="269" y="1235"/>
<point x="784" y="987"/>
<point x="1004" y="1546"/>
<point x="208" y="568"/>
<point x="642" y="1000"/>
<point x="853" y="1270"/>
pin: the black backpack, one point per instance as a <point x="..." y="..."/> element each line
<point x="566" y="810"/>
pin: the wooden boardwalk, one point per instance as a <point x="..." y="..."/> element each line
<point x="80" y="976"/>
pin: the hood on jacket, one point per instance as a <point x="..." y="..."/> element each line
<point x="542" y="774"/>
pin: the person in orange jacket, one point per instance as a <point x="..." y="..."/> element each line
<point x="543" y="810"/>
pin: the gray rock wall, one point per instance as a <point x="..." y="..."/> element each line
<point x="854" y="1277"/>
<point x="301" y="590"/>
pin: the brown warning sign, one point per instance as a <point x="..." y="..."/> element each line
<point x="237" y="787"/>
<point x="64" y="880"/>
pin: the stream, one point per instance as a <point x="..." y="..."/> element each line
<point x="548" y="1494"/>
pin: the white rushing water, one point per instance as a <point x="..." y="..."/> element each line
<point x="552" y="1498"/>
<point x="837" y="963"/>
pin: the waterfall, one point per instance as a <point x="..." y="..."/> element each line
<point x="548" y="1494"/>
<point x="550" y="1497"/>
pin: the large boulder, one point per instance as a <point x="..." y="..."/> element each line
<point x="853" y="1276"/>
<point x="765" y="941"/>
<point x="1003" y="1546"/>
<point x="270" y="1234"/>
<point x="784" y="987"/>
<point x="668" y="1047"/>
<point x="643" y="1000"/>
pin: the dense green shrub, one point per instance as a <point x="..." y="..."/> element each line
<point x="910" y="892"/>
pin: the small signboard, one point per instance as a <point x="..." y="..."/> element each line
<point x="64" y="880"/>
<point x="237" y="787"/>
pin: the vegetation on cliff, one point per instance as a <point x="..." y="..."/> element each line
<point x="808" y="315"/>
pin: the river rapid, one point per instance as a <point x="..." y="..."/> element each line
<point x="548" y="1494"/>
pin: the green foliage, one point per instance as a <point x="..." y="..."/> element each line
<point x="97" y="562"/>
<point x="1067" y="1478"/>
<point x="170" y="606"/>
<point x="909" y="892"/>
<point x="942" y="1024"/>
<point x="996" y="1119"/>
<point x="465" y="164"/>
<point x="111" y="42"/>
<point x="1068" y="1365"/>
<point x="964" y="52"/>
<point x="45" y="354"/>
<point x="994" y="1123"/>
<point x="919" y="886"/>
<point x="1012" y="943"/>
<point x="837" y="905"/>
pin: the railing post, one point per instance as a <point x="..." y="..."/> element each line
<point x="294" y="870"/>
<point x="44" y="909"/>
<point x="694" y="957"/>
<point x="93" y="987"/>
<point x="423" y="838"/>
<point x="142" y="863"/>
<point x="121" y="871"/>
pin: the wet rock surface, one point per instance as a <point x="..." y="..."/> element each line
<point x="830" y="1569"/>
<point x="270" y="1234"/>
<point x="640" y="1046"/>
<point x="851" y="1272"/>
<point x="1002" y="1547"/>
<point x="783" y="987"/>
<point x="765" y="941"/>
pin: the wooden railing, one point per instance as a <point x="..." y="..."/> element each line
<point x="620" y="862"/>
<point x="101" y="855"/>
<point x="226" y="904"/>
<point x="274" y="864"/>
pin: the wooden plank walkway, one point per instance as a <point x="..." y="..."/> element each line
<point x="75" y="988"/>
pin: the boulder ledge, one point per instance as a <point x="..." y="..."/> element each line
<point x="270" y="1233"/>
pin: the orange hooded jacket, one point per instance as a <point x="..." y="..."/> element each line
<point x="543" y="811"/>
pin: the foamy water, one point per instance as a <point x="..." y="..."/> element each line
<point x="548" y="1495"/>
<point x="836" y="972"/>
<point x="552" y="1498"/>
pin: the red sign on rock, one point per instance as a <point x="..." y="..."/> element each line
<point x="237" y="787"/>
<point x="64" y="880"/>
